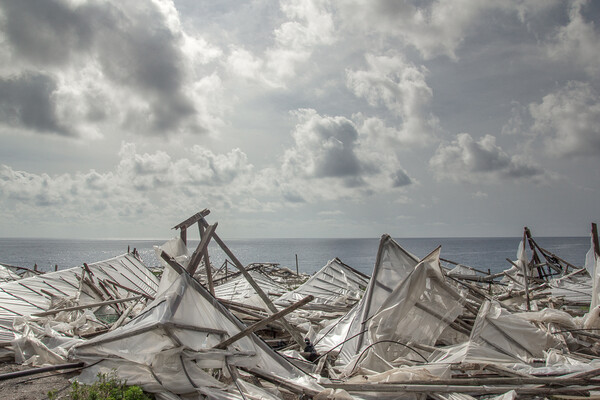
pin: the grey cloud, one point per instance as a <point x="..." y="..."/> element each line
<point x="46" y="31"/>
<point x="26" y="101"/>
<point x="293" y="197"/>
<point x="468" y="160"/>
<point x="326" y="148"/>
<point x="136" y="49"/>
<point x="400" y="178"/>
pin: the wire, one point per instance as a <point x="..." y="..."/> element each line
<point x="338" y="345"/>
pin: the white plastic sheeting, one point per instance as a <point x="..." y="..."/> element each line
<point x="499" y="336"/>
<point x="33" y="295"/>
<point x="418" y="310"/>
<point x="592" y="265"/>
<point x="336" y="284"/>
<point x="6" y="275"/>
<point x="392" y="266"/>
<point x="168" y="346"/>
<point x="238" y="289"/>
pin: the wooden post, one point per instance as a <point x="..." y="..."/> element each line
<point x="35" y="267"/>
<point x="201" y="249"/>
<point x="595" y="239"/>
<point x="254" y="327"/>
<point x="183" y="235"/>
<point x="535" y="258"/>
<point x="293" y="332"/>
<point x="209" y="279"/>
<point x="55" y="267"/>
<point x="297" y="273"/>
<point x="526" y="273"/>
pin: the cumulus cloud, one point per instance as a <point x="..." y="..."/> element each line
<point x="203" y="168"/>
<point x="434" y="28"/>
<point x="308" y="25"/>
<point x="578" y="42"/>
<point x="104" y="53"/>
<point x="468" y="160"/>
<point x="325" y="147"/>
<point x="400" y="86"/>
<point x="331" y="159"/>
<point x="142" y="183"/>
<point x="569" y="120"/>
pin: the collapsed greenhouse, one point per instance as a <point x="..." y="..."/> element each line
<point x="416" y="328"/>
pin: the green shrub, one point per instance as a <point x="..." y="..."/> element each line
<point x="107" y="387"/>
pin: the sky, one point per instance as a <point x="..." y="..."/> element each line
<point x="299" y="118"/>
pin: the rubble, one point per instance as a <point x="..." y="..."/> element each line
<point x="416" y="329"/>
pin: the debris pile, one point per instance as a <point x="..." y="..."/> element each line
<point x="417" y="328"/>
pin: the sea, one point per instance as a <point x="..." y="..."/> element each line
<point x="307" y="255"/>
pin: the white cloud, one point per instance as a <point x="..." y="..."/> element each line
<point x="142" y="183"/>
<point x="401" y="87"/>
<point x="434" y="28"/>
<point x="569" y="120"/>
<point x="468" y="160"/>
<point x="308" y="25"/>
<point x="578" y="42"/>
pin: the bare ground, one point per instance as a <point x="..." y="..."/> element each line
<point x="33" y="387"/>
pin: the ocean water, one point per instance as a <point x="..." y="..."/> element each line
<point x="481" y="253"/>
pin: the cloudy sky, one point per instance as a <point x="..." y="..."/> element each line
<point x="299" y="118"/>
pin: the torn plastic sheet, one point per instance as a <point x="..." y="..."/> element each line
<point x="392" y="266"/>
<point x="336" y="284"/>
<point x="498" y="328"/>
<point x="38" y="345"/>
<point x="35" y="294"/>
<point x="405" y="374"/>
<point x="418" y="311"/>
<point x="185" y="321"/>
<point x="6" y="275"/>
<point x="238" y="289"/>
<point x="499" y="337"/>
<point x="592" y="265"/>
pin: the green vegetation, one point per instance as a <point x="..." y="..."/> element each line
<point x="108" y="386"/>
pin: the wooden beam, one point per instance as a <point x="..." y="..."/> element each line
<point x="254" y="327"/>
<point x="134" y="291"/>
<point x="201" y="249"/>
<point x="192" y="220"/>
<point x="297" y="337"/>
<point x="595" y="239"/>
<point x="207" y="267"/>
<point x="183" y="235"/>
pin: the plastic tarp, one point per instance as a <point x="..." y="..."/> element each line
<point x="336" y="284"/>
<point x="35" y="294"/>
<point x="499" y="336"/>
<point x="168" y="347"/>
<point x="392" y="266"/>
<point x="417" y="311"/>
<point x="6" y="275"/>
<point x="238" y="289"/>
<point x="592" y="265"/>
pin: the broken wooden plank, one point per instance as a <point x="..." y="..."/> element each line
<point x="223" y="345"/>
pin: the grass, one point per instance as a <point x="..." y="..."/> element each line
<point x="107" y="386"/>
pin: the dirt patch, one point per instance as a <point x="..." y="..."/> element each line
<point x="33" y="387"/>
